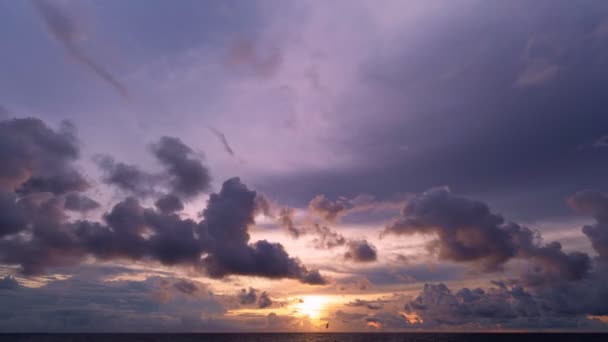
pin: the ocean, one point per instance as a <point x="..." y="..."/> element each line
<point x="309" y="337"/>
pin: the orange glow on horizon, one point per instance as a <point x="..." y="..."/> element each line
<point x="601" y="318"/>
<point x="375" y="325"/>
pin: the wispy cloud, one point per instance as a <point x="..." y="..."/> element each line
<point x="63" y="27"/>
<point x="222" y="138"/>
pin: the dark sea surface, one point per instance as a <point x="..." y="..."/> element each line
<point x="308" y="337"/>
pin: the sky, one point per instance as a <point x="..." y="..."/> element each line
<point x="303" y="165"/>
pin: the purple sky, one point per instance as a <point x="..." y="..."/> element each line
<point x="276" y="165"/>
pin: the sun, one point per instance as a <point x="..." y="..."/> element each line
<point x="312" y="306"/>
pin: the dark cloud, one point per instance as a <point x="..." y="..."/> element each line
<point x="225" y="222"/>
<point x="185" y="175"/>
<point x="467" y="231"/>
<point x="169" y="204"/>
<point x="64" y="27"/>
<point x="558" y="305"/>
<point x="185" y="286"/>
<point x="9" y="283"/>
<point x="127" y="178"/>
<point x="264" y="301"/>
<point x="222" y="138"/>
<point x="437" y="305"/>
<point x="218" y="244"/>
<point x="361" y="251"/>
<point x="595" y="204"/>
<point x="37" y="158"/>
<point x="188" y="176"/>
<point x="247" y="297"/>
<point x="59" y="184"/>
<point x="12" y="216"/>
<point x="81" y="203"/>
<point x="554" y="264"/>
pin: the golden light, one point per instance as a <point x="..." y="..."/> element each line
<point x="375" y="325"/>
<point x="603" y="319"/>
<point x="411" y="317"/>
<point x="312" y="306"/>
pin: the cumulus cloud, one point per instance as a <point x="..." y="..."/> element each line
<point x="127" y="178"/>
<point x="188" y="176"/>
<point x="185" y="175"/>
<point x="64" y="27"/>
<point x="361" y="251"/>
<point x="37" y="158"/>
<point x="169" y="204"/>
<point x="467" y="231"/>
<point x="562" y="304"/>
<point x="225" y="222"/>
<point x="218" y="244"/>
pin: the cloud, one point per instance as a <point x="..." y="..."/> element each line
<point x="467" y="231"/>
<point x="218" y="244"/>
<point x="264" y="301"/>
<point x="188" y="176"/>
<point x="361" y="251"/>
<point x="64" y="28"/>
<point x="325" y="208"/>
<point x="185" y="175"/>
<point x="247" y="297"/>
<point x="222" y="138"/>
<point x="437" y="305"/>
<point x="169" y="204"/>
<point x="286" y="219"/>
<point x="127" y="178"/>
<point x="558" y="305"/>
<point x="12" y="216"/>
<point x="185" y="286"/>
<point x="225" y="222"/>
<point x="37" y="158"/>
<point x="9" y="283"/>
<point x="594" y="203"/>
<point x="81" y="203"/>
<point x="370" y="304"/>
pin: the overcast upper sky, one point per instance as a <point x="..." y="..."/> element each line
<point x="272" y="165"/>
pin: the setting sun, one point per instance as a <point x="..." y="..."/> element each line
<point x="312" y="306"/>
